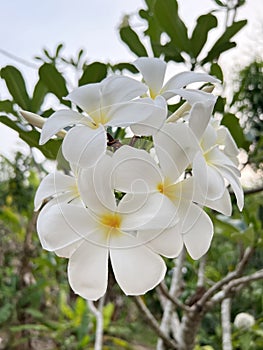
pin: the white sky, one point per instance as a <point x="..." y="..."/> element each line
<point x="27" y="26"/>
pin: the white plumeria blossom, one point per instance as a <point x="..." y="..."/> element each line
<point x="91" y="234"/>
<point x="211" y="165"/>
<point x="130" y="207"/>
<point x="108" y="103"/>
<point x="153" y="71"/>
<point x="136" y="172"/>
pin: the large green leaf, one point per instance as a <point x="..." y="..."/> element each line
<point x="232" y="123"/>
<point x="93" y="73"/>
<point x="199" y="37"/>
<point x="54" y="81"/>
<point x="224" y="43"/>
<point x="39" y="94"/>
<point x="31" y="137"/>
<point x="6" y="106"/>
<point x="167" y="15"/>
<point x="131" y="39"/>
<point x="16" y="86"/>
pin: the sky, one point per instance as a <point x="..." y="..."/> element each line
<point x="28" y="26"/>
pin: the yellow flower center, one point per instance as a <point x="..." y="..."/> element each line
<point x="112" y="220"/>
<point x="167" y="188"/>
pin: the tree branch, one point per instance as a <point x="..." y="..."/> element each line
<point x="153" y="323"/>
<point x="226" y="324"/>
<point x="232" y="275"/>
<point x="98" y="313"/>
<point x="169" y="307"/>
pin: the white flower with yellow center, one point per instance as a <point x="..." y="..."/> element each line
<point x="153" y="72"/>
<point x="109" y="103"/>
<point x="135" y="172"/>
<point x="100" y="230"/>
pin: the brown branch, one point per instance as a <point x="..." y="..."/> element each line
<point x="232" y="275"/>
<point x="233" y="286"/>
<point x="253" y="190"/>
<point x="177" y="302"/>
<point x="153" y="323"/>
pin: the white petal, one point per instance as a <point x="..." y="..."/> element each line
<point x="128" y="113"/>
<point x="135" y="170"/>
<point x="168" y="243"/>
<point x="54" y="184"/>
<point x="199" y="118"/>
<point x="118" y="88"/>
<point x="209" y="138"/>
<point x="95" y="186"/>
<point x="197" y="231"/>
<point x="191" y="96"/>
<point x="138" y="269"/>
<point x="147" y="212"/>
<point x="183" y="79"/>
<point x="209" y="178"/>
<point x="152" y="124"/>
<point x="235" y="184"/>
<point x="175" y="147"/>
<point x="67" y="251"/>
<point x="222" y="205"/>
<point x="88" y="271"/>
<point x="84" y="146"/>
<point x="153" y="71"/>
<point x="60" y="120"/>
<point x="225" y="138"/>
<point x="60" y="225"/>
<point x="87" y="97"/>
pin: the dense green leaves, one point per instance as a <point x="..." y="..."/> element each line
<point x="16" y="86"/>
<point x="172" y="24"/>
<point x="131" y="39"/>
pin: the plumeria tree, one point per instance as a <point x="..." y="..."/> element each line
<point x="147" y="173"/>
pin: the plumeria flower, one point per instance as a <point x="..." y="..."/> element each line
<point x="100" y="231"/>
<point x="153" y="71"/>
<point x="211" y="165"/>
<point x="136" y="172"/>
<point x="108" y="103"/>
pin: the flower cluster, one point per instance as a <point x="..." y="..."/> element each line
<point x="129" y="206"/>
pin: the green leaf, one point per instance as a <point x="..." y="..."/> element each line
<point x="232" y="123"/>
<point x="121" y="66"/>
<point x="216" y="70"/>
<point x="219" y="3"/>
<point x="39" y="94"/>
<point x="50" y="149"/>
<point x="223" y="43"/>
<point x="6" y="106"/>
<point x="93" y="73"/>
<point x="199" y="37"/>
<point x="130" y="38"/>
<point x="168" y="17"/>
<point x="16" y="86"/>
<point x="170" y="51"/>
<point x="54" y="81"/>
